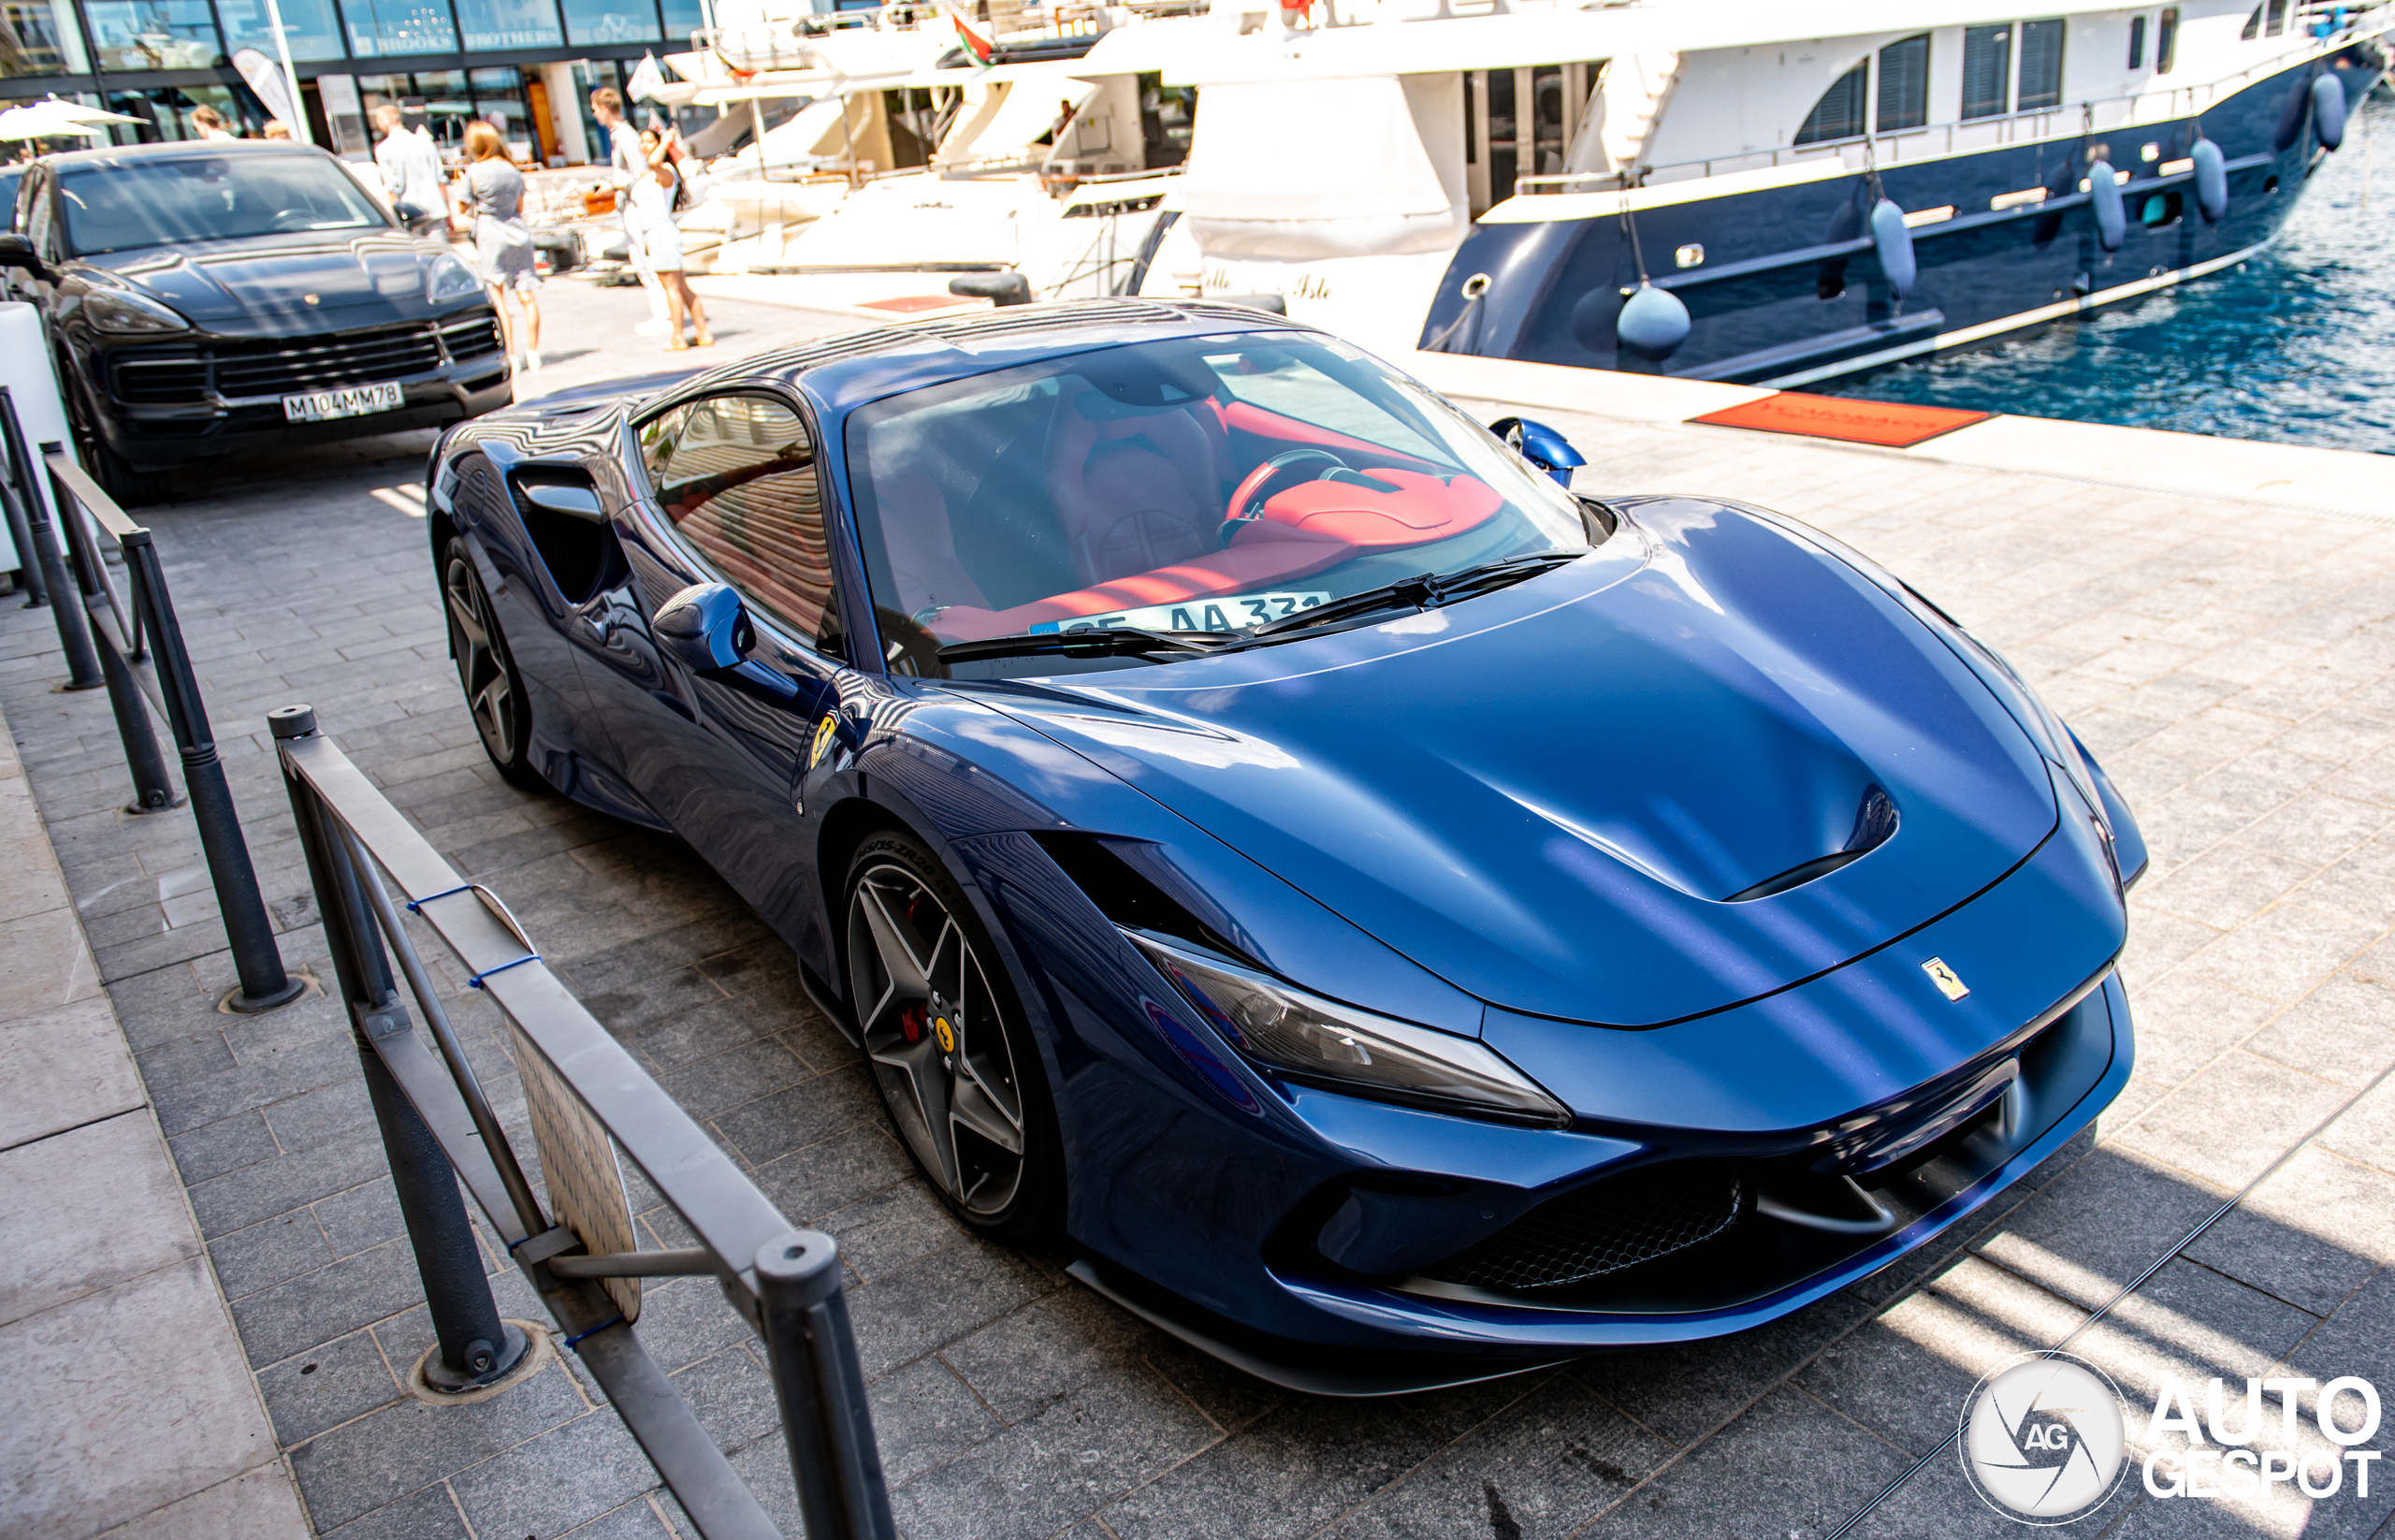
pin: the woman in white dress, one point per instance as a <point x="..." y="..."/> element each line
<point x="502" y="241"/>
<point x="654" y="197"/>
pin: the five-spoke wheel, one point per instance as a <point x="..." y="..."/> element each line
<point x="494" y="691"/>
<point x="952" y="1065"/>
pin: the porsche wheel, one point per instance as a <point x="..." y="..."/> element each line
<point x="957" y="1070"/>
<point x="486" y="671"/>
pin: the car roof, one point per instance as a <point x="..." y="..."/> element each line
<point x="178" y="150"/>
<point x="850" y="368"/>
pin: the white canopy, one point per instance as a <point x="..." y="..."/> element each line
<point x="1320" y="168"/>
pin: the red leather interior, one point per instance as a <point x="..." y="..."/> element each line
<point x="1247" y="417"/>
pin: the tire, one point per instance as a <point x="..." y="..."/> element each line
<point x="128" y="487"/>
<point x="487" y="671"/>
<point x="958" y="1071"/>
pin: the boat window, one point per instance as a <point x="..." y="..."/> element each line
<point x="1904" y="84"/>
<point x="2040" y="64"/>
<point x="2275" y="12"/>
<point x="1988" y="71"/>
<point x="1838" y="115"/>
<point x="1198" y="483"/>
<point x="2166" y="40"/>
<point x="2253" y="26"/>
<point x="2137" y="42"/>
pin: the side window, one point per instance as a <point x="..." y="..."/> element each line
<point x="736" y="476"/>
<point x="38" y="218"/>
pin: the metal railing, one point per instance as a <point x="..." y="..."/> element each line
<point x="130" y="642"/>
<point x="586" y="1099"/>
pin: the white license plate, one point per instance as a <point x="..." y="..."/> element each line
<point x="351" y="402"/>
<point x="1227" y="612"/>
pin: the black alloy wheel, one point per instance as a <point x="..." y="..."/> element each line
<point x="958" y="1071"/>
<point x="486" y="670"/>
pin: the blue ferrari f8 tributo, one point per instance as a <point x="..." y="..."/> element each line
<point x="1401" y="922"/>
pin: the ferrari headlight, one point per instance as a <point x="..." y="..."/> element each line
<point x="1314" y="1042"/>
<point x="450" y="279"/>
<point x="113" y="311"/>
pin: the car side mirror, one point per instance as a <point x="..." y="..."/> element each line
<point x="707" y="628"/>
<point x="17" y="251"/>
<point x="565" y="497"/>
<point x="1543" y="446"/>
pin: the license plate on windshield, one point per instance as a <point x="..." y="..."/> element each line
<point x="351" y="402"/>
<point x="1229" y="611"/>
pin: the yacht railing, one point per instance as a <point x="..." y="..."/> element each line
<point x="2048" y="123"/>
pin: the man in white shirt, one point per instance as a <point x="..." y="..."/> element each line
<point x="411" y="168"/>
<point x="626" y="162"/>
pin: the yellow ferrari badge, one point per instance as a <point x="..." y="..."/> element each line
<point x="827" y="731"/>
<point x="945" y="1032"/>
<point x="1950" y="983"/>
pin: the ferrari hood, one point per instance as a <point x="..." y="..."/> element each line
<point x="215" y="282"/>
<point x="1701" y="764"/>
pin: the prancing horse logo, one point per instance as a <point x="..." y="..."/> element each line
<point x="1950" y="983"/>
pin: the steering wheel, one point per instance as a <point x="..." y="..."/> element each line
<point x="292" y="219"/>
<point x="1247" y="504"/>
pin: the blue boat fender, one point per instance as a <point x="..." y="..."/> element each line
<point x="1652" y="322"/>
<point x="2104" y="196"/>
<point x="1894" y="238"/>
<point x="2329" y="110"/>
<point x="2211" y="180"/>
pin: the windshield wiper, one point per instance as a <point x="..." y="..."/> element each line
<point x="1095" y="641"/>
<point x="1426" y="590"/>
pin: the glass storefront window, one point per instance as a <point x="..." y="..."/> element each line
<point x="132" y="35"/>
<point x="166" y="111"/>
<point x="509" y="23"/>
<point x="610" y="21"/>
<point x="499" y="101"/>
<point x="311" y="26"/>
<point x="682" y="17"/>
<point x="39" y="37"/>
<point x="380" y="27"/>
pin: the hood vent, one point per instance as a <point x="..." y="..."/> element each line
<point x="1875" y="822"/>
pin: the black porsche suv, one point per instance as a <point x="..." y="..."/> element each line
<point x="207" y="296"/>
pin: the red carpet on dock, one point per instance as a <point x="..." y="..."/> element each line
<point x="1890" y="423"/>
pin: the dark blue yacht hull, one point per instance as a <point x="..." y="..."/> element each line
<point x="1791" y="289"/>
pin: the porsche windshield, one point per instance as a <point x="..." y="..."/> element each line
<point x="125" y="204"/>
<point x="1203" y="485"/>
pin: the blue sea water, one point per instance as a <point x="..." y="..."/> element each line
<point x="2295" y="347"/>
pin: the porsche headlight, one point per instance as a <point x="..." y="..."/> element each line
<point x="1314" y="1042"/>
<point x="126" y="314"/>
<point x="449" y="279"/>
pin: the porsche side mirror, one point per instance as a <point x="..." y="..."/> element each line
<point x="707" y="628"/>
<point x="1543" y="446"/>
<point x="17" y="251"/>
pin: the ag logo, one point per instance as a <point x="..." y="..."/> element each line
<point x="2042" y="1439"/>
<point x="827" y="731"/>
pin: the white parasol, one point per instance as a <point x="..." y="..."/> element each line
<point x="45" y="120"/>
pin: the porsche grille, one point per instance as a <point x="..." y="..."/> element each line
<point x="1603" y="1228"/>
<point x="280" y="368"/>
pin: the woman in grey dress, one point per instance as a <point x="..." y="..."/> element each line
<point x="502" y="242"/>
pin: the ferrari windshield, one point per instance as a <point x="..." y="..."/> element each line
<point x="125" y="204"/>
<point x="1202" y="484"/>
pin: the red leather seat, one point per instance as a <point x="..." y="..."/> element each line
<point x="1137" y="492"/>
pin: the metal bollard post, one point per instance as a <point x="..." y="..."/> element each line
<point x="67" y="609"/>
<point x="21" y="534"/>
<point x="825" y="1419"/>
<point x="476" y="1346"/>
<point x="153" y="792"/>
<point x="265" y="983"/>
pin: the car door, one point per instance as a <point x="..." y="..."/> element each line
<point x="734" y="496"/>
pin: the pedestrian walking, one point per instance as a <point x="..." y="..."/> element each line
<point x="277" y="129"/>
<point x="411" y="168"/>
<point x="210" y="122"/>
<point x="502" y="241"/>
<point x="656" y="197"/>
<point x="627" y="164"/>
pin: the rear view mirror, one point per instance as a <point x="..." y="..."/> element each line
<point x="707" y="628"/>
<point x="17" y="251"/>
<point x="1543" y="446"/>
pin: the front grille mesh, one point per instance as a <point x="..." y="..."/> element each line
<point x="287" y="367"/>
<point x="1603" y="1228"/>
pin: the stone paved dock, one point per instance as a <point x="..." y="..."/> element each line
<point x="2231" y="657"/>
